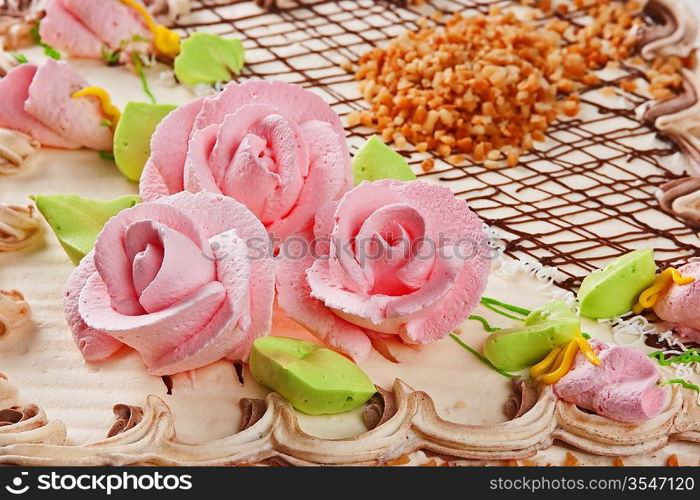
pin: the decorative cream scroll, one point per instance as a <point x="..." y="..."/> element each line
<point x="415" y="426"/>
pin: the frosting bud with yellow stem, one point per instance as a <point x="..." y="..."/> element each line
<point x="679" y="303"/>
<point x="109" y="109"/>
<point x="166" y="41"/>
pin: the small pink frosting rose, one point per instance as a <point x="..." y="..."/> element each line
<point x="273" y="146"/>
<point x="680" y="304"/>
<point x="390" y="258"/>
<point x="185" y="281"/>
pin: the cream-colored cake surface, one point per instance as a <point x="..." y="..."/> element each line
<point x="43" y="363"/>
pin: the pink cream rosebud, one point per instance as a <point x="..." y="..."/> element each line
<point x="93" y="29"/>
<point x="185" y="281"/>
<point x="398" y="258"/>
<point x="275" y="147"/>
<point x="37" y="100"/>
<point x="680" y="304"/>
<point x="622" y="388"/>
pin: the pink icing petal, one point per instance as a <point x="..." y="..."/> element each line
<point x="14" y="89"/>
<point x="680" y="305"/>
<point x="294" y="297"/>
<point x="249" y="180"/>
<point x="232" y="329"/>
<point x="286" y="159"/>
<point x="216" y="214"/>
<point x="386" y="313"/>
<point x="449" y="313"/>
<point x="146" y="265"/>
<point x="450" y="223"/>
<point x="61" y="30"/>
<point x="385" y="240"/>
<point x="156" y="334"/>
<point x="326" y="181"/>
<point x="184" y="265"/>
<point x="293" y="101"/>
<point x="231" y="133"/>
<point x="112" y="261"/>
<point x="95" y="345"/>
<point x="197" y="176"/>
<point x="623" y="387"/>
<point x="690" y="334"/>
<point x="355" y="207"/>
<point x="324" y="222"/>
<point x="163" y="173"/>
<point x="416" y="271"/>
<point x="630" y="402"/>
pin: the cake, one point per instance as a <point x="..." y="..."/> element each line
<point x="568" y="336"/>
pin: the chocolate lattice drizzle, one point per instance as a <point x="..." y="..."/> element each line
<point x="572" y="213"/>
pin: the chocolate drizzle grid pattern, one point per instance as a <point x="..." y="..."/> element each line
<point x="535" y="206"/>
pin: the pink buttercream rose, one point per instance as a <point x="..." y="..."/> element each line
<point x="185" y="281"/>
<point x="275" y="147"/>
<point x="623" y="387"/>
<point x="680" y="304"/>
<point x="390" y="258"/>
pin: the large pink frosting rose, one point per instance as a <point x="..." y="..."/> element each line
<point x="680" y="304"/>
<point x="185" y="281"/>
<point x="275" y="147"/>
<point x="401" y="258"/>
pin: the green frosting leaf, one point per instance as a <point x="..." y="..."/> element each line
<point x="206" y="58"/>
<point x="313" y="379"/>
<point x="553" y="310"/>
<point x="544" y="328"/>
<point x="77" y="221"/>
<point x="132" y="137"/>
<point x="613" y="291"/>
<point x="375" y="160"/>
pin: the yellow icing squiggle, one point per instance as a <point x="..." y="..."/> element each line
<point x="663" y="282"/>
<point x="560" y="360"/>
<point x="587" y="350"/>
<point x="546" y="363"/>
<point x="108" y="108"/>
<point x="165" y="40"/>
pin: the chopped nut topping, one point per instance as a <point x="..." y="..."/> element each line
<point x="490" y="86"/>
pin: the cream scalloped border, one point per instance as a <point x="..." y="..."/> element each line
<point x="415" y="426"/>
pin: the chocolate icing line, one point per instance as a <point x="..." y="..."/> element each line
<point x="276" y="434"/>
